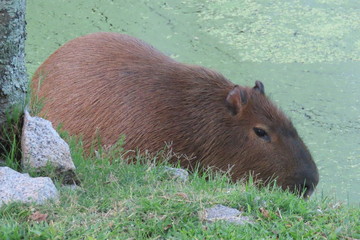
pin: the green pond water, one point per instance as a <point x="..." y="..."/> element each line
<point x="307" y="54"/>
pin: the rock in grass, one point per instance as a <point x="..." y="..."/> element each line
<point x="177" y="174"/>
<point x="18" y="187"/>
<point x="41" y="145"/>
<point x="220" y="212"/>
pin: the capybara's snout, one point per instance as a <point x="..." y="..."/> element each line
<point x="304" y="181"/>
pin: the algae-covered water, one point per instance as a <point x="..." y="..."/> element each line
<point x="307" y="54"/>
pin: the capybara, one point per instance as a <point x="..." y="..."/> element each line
<point x="110" y="84"/>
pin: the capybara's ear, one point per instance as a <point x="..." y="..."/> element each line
<point x="259" y="86"/>
<point x="235" y="99"/>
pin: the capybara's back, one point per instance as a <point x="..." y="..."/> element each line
<point x="111" y="84"/>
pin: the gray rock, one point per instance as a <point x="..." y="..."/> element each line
<point x="220" y="212"/>
<point x="41" y="145"/>
<point x="17" y="187"/>
<point x="177" y="173"/>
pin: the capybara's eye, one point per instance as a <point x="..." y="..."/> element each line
<point x="262" y="133"/>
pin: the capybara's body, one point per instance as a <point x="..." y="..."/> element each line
<point x="111" y="84"/>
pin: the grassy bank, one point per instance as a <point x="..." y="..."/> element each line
<point x="140" y="201"/>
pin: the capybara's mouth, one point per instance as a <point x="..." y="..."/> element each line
<point x="302" y="190"/>
<point x="307" y="192"/>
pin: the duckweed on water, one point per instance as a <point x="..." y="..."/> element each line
<point x="285" y="31"/>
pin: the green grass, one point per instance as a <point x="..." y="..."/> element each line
<point x="10" y="138"/>
<point x="118" y="200"/>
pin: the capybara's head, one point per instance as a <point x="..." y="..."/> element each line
<point x="270" y="143"/>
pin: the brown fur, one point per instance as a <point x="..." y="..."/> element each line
<point x="116" y="84"/>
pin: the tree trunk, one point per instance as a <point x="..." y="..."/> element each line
<point x="13" y="77"/>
